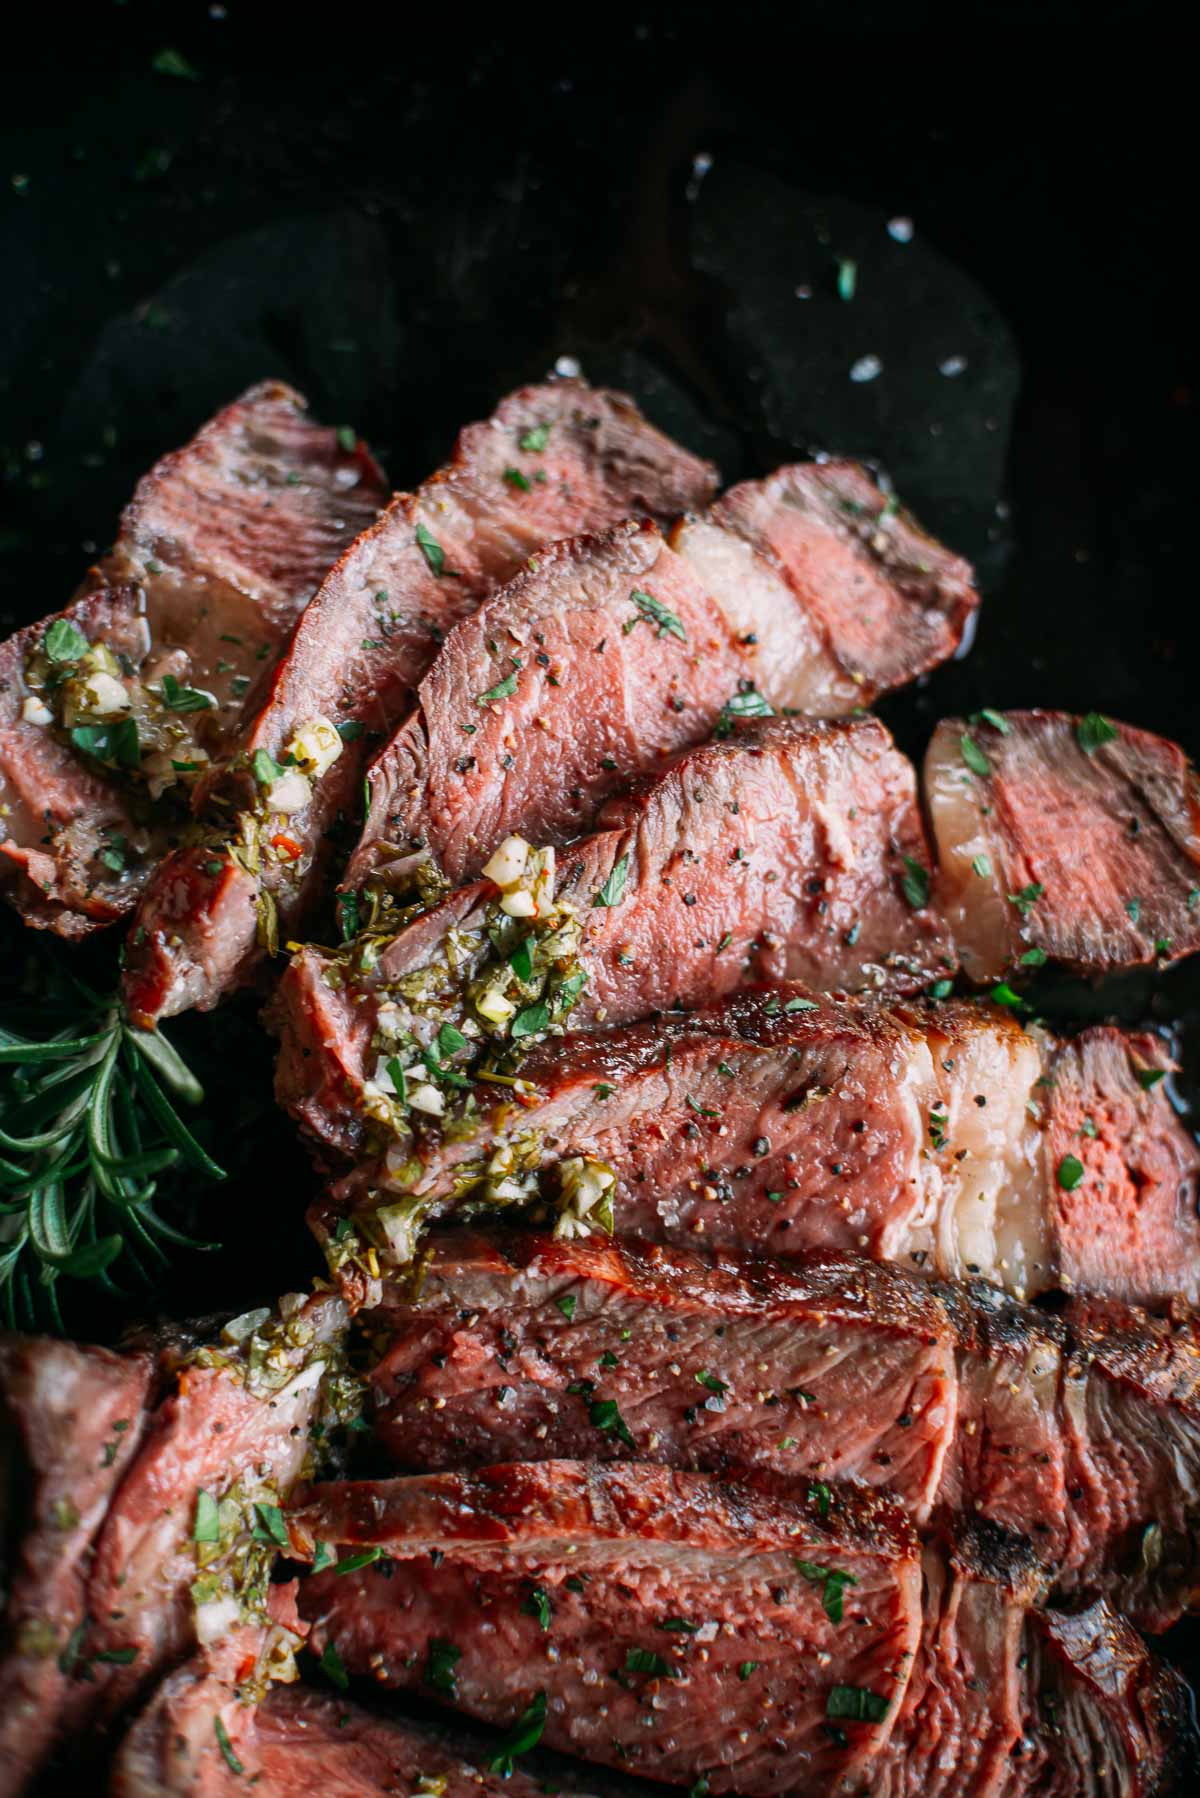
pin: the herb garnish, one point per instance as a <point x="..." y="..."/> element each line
<point x="503" y="689"/>
<point x="613" y="890"/>
<point x="857" y="1703"/>
<point x="431" y="549"/>
<point x="331" y="1665"/>
<point x="1069" y="1173"/>
<point x="915" y="885"/>
<point x="226" y="1747"/>
<point x="440" y="1666"/>
<point x="183" y="699"/>
<point x="537" y="1604"/>
<point x="535" y="439"/>
<point x="1092" y="731"/>
<point x="64" y="642"/>
<point x="973" y="755"/>
<point x="652" y="611"/>
<point x="525" y="1734"/>
<point x="834" y="1581"/>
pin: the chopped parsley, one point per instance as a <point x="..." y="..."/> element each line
<point x="857" y="1703"/>
<point x="801" y="1005"/>
<point x="117" y="743"/>
<point x="265" y="768"/>
<point x="566" y="1304"/>
<point x="350" y="729"/>
<point x="746" y="1668"/>
<point x="226" y="1746"/>
<point x="440" y="1666"/>
<point x="1033" y="958"/>
<point x="207" y="1524"/>
<point x="64" y="642"/>
<point x="915" y="885"/>
<point x="347" y="438"/>
<point x="270" y="1527"/>
<point x="183" y="699"/>
<point x="346" y="909"/>
<point x="982" y="866"/>
<point x="679" y="1626"/>
<point x="613" y="890"/>
<point x="741" y="705"/>
<point x="520" y="481"/>
<point x="538" y="1605"/>
<point x="973" y="755"/>
<point x="1027" y="898"/>
<point x="331" y="1665"/>
<point x="1069" y="1173"/>
<point x="644" y="1660"/>
<point x="997" y="720"/>
<point x="503" y="689"/>
<point x="1092" y="731"/>
<point x="431" y="549"/>
<point x="833" y="1580"/>
<point x="363" y="1558"/>
<point x="820" y="1495"/>
<point x="1150" y="1077"/>
<point x="535" y="439"/>
<point x="525" y="1734"/>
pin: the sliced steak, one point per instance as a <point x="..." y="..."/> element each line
<point x="884" y="600"/>
<point x="787" y="1122"/>
<point x="831" y="1368"/>
<point x="668" y="1624"/>
<point x="220" y="548"/>
<point x="1020" y="804"/>
<point x="298" y="1740"/>
<point x="611" y="654"/>
<point x="172" y="1566"/>
<point x="71" y="1420"/>
<point x="141" y="1540"/>
<point x="551" y="461"/>
<point x="1006" y="1699"/>
<point x="1083" y="1436"/>
<point x="780" y="853"/>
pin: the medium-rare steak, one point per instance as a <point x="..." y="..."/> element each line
<point x="111" y="710"/>
<point x="779" y="853"/>
<point x="663" y="1623"/>
<point x="1071" y="838"/>
<point x="71" y="1420"/>
<point x="612" y="653"/>
<point x="941" y="1135"/>
<point x="297" y="1740"/>
<point x="156" y="1480"/>
<point x="187" y="1544"/>
<point x="551" y="461"/>
<point x="727" y="1636"/>
<point x="1081" y="1433"/>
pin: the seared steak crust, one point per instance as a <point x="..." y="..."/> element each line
<point x="363" y="645"/>
<point x="1080" y="1434"/>
<point x="669" y="1596"/>
<point x="222" y="545"/>
<point x="1061" y="792"/>
<point x="789" y="1122"/>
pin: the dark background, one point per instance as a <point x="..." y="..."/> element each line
<point x="405" y="217"/>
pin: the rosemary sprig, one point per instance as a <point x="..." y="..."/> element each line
<point x="88" y="1124"/>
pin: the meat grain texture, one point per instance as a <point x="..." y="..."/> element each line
<point x="219" y="550"/>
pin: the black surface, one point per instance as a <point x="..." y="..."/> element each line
<point x="405" y="220"/>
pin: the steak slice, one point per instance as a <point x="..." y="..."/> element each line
<point x="611" y="654"/>
<point x="779" y="853"/>
<point x="171" y="1567"/>
<point x="551" y="461"/>
<point x="1006" y="1699"/>
<point x="653" y="1614"/>
<point x="830" y="1368"/>
<point x="299" y="1740"/>
<point x="71" y="1420"/>
<point x="220" y="548"/>
<point x="1043" y="789"/>
<point x="142" y="1540"/>
<point x="775" y="1119"/>
<point x="1082" y="1435"/>
<point x="885" y="601"/>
